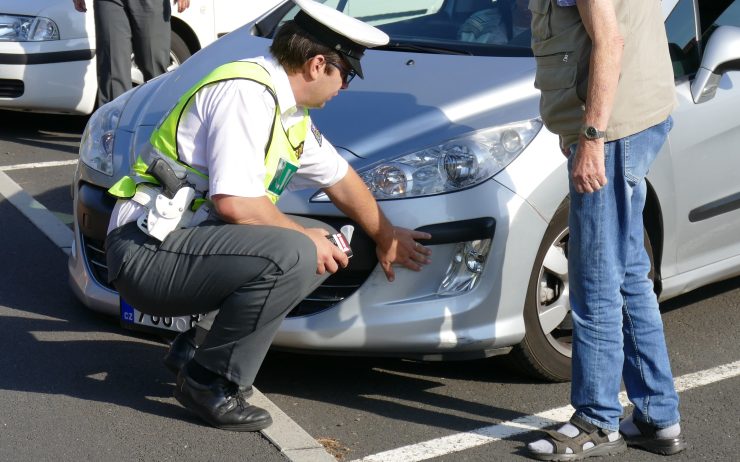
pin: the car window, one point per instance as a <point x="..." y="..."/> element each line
<point x="381" y="12"/>
<point x="715" y="13"/>
<point x="682" y="41"/>
<point x="475" y="27"/>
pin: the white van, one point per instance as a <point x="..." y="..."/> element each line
<point x="47" y="48"/>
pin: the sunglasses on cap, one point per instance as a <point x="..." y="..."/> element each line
<point x="347" y="74"/>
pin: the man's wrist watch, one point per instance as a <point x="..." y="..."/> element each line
<point x="592" y="133"/>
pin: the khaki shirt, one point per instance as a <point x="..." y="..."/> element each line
<point x="562" y="48"/>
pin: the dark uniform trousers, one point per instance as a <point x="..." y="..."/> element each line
<point x="252" y="275"/>
<point x="123" y="26"/>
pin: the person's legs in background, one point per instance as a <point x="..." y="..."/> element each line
<point x="112" y="49"/>
<point x="150" y="23"/>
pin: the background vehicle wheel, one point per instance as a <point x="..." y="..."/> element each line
<point x="179" y="52"/>
<point x="545" y="352"/>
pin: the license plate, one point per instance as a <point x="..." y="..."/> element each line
<point x="134" y="317"/>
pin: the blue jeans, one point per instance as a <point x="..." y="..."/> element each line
<point x="617" y="328"/>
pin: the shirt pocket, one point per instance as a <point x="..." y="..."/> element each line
<point x="541" y="29"/>
<point x="560" y="106"/>
<point x="555" y="72"/>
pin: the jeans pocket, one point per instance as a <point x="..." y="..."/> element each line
<point x="641" y="149"/>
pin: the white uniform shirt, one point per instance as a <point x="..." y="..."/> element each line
<point x="224" y="131"/>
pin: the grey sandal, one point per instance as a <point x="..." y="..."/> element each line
<point x="588" y="433"/>
<point x="649" y="441"/>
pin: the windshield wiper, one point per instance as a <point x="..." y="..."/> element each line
<point x="402" y="46"/>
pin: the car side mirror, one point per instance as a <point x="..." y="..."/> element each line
<point x="721" y="54"/>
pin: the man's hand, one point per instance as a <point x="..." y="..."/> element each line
<point x="80" y="5"/>
<point x="329" y="256"/>
<point x="402" y="248"/>
<point x="587" y="172"/>
<point x="182" y="5"/>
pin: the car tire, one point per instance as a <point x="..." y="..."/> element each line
<point x="545" y="352"/>
<point x="179" y="51"/>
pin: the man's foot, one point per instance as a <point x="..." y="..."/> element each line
<point x="665" y="441"/>
<point x="221" y="404"/>
<point x="575" y="441"/>
<point x="182" y="349"/>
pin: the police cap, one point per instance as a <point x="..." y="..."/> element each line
<point x="345" y="34"/>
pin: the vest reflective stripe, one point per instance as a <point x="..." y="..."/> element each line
<point x="282" y="152"/>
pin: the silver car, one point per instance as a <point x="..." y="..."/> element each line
<point x="445" y="132"/>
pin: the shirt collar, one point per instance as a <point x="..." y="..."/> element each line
<point x="283" y="90"/>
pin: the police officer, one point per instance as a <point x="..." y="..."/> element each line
<point x="123" y="26"/>
<point x="237" y="138"/>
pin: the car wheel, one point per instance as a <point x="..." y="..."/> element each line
<point x="179" y="52"/>
<point x="545" y="352"/>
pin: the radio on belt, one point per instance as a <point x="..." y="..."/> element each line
<point x="340" y="241"/>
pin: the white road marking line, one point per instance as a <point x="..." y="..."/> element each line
<point x="462" y="441"/>
<point x="39" y="215"/>
<point x="57" y="163"/>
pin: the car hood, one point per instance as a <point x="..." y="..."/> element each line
<point x="407" y="100"/>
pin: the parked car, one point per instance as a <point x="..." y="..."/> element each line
<point x="47" y="49"/>
<point x="445" y="132"/>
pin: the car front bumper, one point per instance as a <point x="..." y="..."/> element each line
<point x="405" y="318"/>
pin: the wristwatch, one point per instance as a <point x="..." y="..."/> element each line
<point x="592" y="133"/>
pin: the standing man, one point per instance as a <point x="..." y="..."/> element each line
<point x="119" y="24"/>
<point x="237" y="139"/>
<point x="607" y="89"/>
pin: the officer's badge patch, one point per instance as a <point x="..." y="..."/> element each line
<point x="299" y="151"/>
<point x="317" y="134"/>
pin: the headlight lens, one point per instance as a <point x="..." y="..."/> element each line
<point x="453" y="165"/>
<point x="27" y="29"/>
<point x="96" y="146"/>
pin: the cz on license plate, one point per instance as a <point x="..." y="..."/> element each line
<point x="130" y="315"/>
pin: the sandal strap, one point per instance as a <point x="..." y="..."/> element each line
<point x="594" y="434"/>
<point x="560" y="443"/>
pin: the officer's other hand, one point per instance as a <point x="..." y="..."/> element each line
<point x="80" y="5"/>
<point x="329" y="257"/>
<point x="404" y="249"/>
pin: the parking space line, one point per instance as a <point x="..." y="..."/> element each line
<point x="56" y="163"/>
<point x="292" y="440"/>
<point x="461" y="441"/>
<point x="39" y="215"/>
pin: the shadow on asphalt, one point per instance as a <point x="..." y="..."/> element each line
<point x="697" y="295"/>
<point x="43" y="131"/>
<point x="52" y="345"/>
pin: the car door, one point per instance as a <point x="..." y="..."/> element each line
<point x="704" y="145"/>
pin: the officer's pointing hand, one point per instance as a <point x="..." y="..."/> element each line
<point x="403" y="249"/>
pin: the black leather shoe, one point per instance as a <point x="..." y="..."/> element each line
<point x="221" y="404"/>
<point x="182" y="350"/>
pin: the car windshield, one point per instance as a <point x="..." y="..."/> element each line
<point x="469" y="27"/>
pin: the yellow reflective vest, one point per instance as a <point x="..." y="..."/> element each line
<point x="282" y="153"/>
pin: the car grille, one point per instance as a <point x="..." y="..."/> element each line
<point x="335" y="289"/>
<point x="95" y="257"/>
<point x="11" y="88"/>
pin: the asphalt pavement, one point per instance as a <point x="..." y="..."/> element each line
<point x="76" y="386"/>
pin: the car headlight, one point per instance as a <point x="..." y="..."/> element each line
<point x="96" y="146"/>
<point x="27" y="28"/>
<point x="456" y="164"/>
